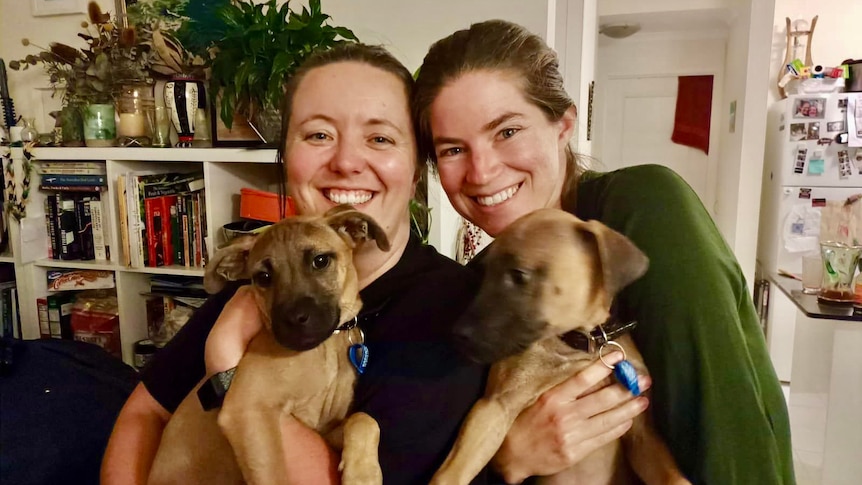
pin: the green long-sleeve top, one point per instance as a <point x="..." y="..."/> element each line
<point x="715" y="397"/>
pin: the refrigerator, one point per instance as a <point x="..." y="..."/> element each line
<point x="808" y="163"/>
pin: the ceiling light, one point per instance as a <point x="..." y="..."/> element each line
<point x="619" y="31"/>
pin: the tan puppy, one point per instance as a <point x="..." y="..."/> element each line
<point x="305" y="286"/>
<point x="547" y="274"/>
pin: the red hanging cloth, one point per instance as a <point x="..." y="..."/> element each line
<point x="693" y="108"/>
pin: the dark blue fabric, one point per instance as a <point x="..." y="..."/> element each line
<point x="58" y="403"/>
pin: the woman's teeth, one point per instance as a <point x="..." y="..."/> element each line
<point x="353" y="197"/>
<point x="499" y="197"/>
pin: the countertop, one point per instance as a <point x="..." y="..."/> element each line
<point x="809" y="305"/>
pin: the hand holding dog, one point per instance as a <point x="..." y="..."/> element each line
<point x="567" y="423"/>
<point x="238" y="323"/>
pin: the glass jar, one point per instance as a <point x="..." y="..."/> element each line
<point x="136" y="109"/>
<point x="29" y="133"/>
<point x="839" y="268"/>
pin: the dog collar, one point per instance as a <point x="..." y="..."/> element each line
<point x="602" y="334"/>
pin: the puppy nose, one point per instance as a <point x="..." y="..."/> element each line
<point x="300" y="312"/>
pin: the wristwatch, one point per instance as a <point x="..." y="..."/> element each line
<point x="212" y="391"/>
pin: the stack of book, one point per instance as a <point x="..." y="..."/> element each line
<point x="74" y="212"/>
<point x="163" y="219"/>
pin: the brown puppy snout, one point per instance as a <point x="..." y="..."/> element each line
<point x="304" y="323"/>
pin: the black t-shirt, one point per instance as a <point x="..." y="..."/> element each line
<point x="416" y="386"/>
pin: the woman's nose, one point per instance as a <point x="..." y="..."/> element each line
<point x="484" y="167"/>
<point x="347" y="158"/>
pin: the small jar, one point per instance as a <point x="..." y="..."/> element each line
<point x="136" y="110"/>
<point x="143" y="350"/>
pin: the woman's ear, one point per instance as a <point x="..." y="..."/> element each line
<point x="567" y="124"/>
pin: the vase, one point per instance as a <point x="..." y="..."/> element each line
<point x="182" y="97"/>
<point x="267" y="123"/>
<point x="100" y="128"/>
<point x="136" y="109"/>
<point x="71" y="127"/>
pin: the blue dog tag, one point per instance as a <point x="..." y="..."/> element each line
<point x="627" y="375"/>
<point x="358" y="354"/>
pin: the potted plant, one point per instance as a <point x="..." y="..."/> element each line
<point x="260" y="46"/>
<point x="92" y="75"/>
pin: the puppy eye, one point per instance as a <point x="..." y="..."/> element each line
<point x="519" y="277"/>
<point x="262" y="279"/>
<point x="321" y="261"/>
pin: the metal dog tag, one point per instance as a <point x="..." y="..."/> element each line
<point x="358" y="354"/>
<point x="625" y="372"/>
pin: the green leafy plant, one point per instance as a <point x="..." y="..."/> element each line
<point x="159" y="23"/>
<point x="261" y="46"/>
<point x="92" y="74"/>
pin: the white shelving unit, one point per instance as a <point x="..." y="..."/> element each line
<point x="226" y="171"/>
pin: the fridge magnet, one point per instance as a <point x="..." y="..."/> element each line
<point x="825" y="141"/>
<point x="804" y="193"/>
<point x="845" y="170"/>
<point x="842" y="103"/>
<point x="813" y="131"/>
<point x="797" y="131"/>
<point x="816" y="167"/>
<point x="808" y="108"/>
<point x="835" y="126"/>
<point x="858" y="159"/>
<point x="801" y="156"/>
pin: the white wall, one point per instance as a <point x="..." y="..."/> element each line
<point x="622" y="7"/>
<point x="741" y="160"/>
<point x="838" y="35"/>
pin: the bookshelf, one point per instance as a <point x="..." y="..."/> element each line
<point x="226" y="171"/>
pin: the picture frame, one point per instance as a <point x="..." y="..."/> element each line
<point x="45" y="8"/>
<point x="240" y="134"/>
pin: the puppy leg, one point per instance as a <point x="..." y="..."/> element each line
<point x="359" y="462"/>
<point x="480" y="437"/>
<point x="649" y="456"/>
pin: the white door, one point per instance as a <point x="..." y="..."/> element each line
<point x="638" y="123"/>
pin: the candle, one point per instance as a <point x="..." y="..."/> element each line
<point x="132" y="124"/>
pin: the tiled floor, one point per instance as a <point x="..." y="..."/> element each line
<point x="807" y="421"/>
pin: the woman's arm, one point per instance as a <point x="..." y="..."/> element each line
<point x="309" y="457"/>
<point x="134" y="440"/>
<point x="566" y="424"/>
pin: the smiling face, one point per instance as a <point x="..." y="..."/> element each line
<point x="498" y="155"/>
<point x="350" y="140"/>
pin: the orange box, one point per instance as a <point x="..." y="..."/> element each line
<point x="262" y="206"/>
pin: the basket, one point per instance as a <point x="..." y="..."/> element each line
<point x="262" y="206"/>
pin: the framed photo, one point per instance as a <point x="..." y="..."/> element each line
<point x="797" y="131"/>
<point x="809" y="108"/>
<point x="44" y="8"/>
<point x="835" y="126"/>
<point x="240" y="134"/>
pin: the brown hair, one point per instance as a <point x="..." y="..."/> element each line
<point x="495" y="45"/>
<point x="372" y="55"/>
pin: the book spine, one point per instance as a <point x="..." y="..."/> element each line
<point x="71" y="171"/>
<point x="73" y="165"/>
<point x="100" y="252"/>
<point x="124" y="219"/>
<point x="16" y="316"/>
<point x="176" y="230"/>
<point x="184" y="215"/>
<point x="73" y="188"/>
<point x="49" y="179"/>
<point x="44" y="323"/>
<point x="153" y="216"/>
<point x="136" y="227"/>
<point x="70" y="245"/>
<point x="52" y="220"/>
<point x="168" y="202"/>
<point x="85" y="227"/>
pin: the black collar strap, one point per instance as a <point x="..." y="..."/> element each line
<point x="365" y="317"/>
<point x="590" y="342"/>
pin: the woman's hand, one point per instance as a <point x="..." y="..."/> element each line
<point x="238" y="323"/>
<point x="566" y="424"/>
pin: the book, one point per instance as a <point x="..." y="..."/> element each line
<point x="173" y="183"/>
<point x="101" y="250"/>
<point x="70" y="244"/>
<point x="72" y="165"/>
<point x="42" y="311"/>
<point x="71" y="171"/>
<point x="154" y="210"/>
<point x="168" y="202"/>
<point x="85" y="226"/>
<point x="176" y="230"/>
<point x="74" y="188"/>
<point x="73" y="180"/>
<point x="124" y="219"/>
<point x="52" y="221"/>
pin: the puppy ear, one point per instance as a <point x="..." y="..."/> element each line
<point x="228" y="264"/>
<point x="621" y="261"/>
<point x="356" y="227"/>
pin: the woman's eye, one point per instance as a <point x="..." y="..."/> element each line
<point x="450" y="152"/>
<point x="262" y="279"/>
<point x="508" y="132"/>
<point x="319" y="136"/>
<point x="321" y="261"/>
<point x="381" y="140"/>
